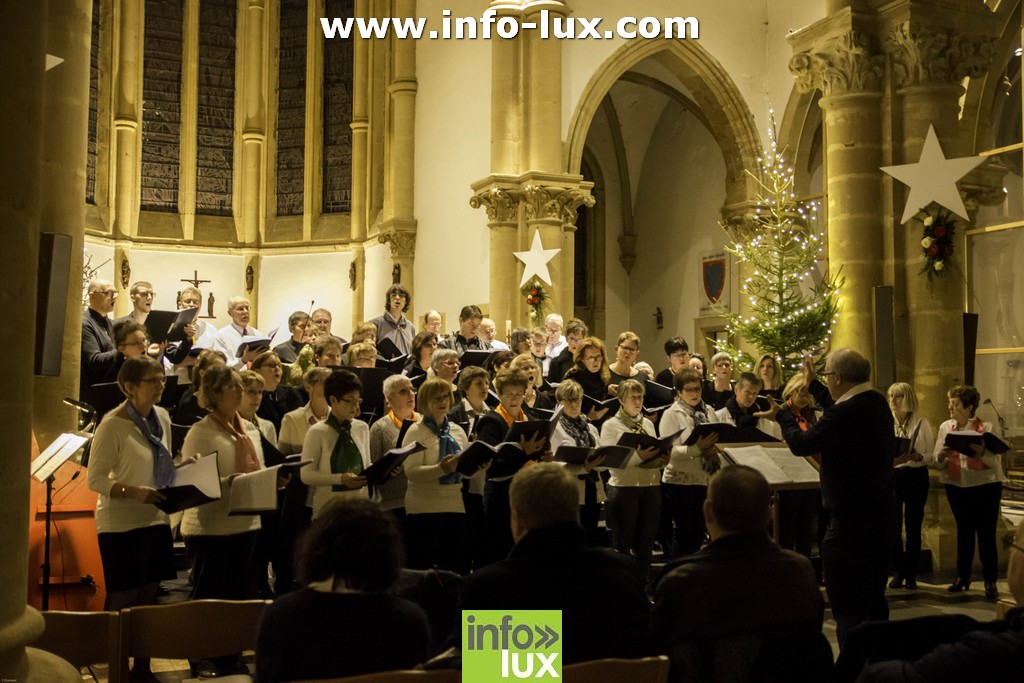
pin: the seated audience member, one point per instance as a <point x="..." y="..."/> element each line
<point x="626" y="349"/>
<point x="339" y="447"/>
<point x="770" y="373"/>
<point x="431" y="323"/>
<point x="487" y="330"/>
<point x="323" y="320"/>
<point x="467" y="338"/>
<point x="942" y="649"/>
<point x="327" y="352"/>
<point x="361" y="355"/>
<point x="401" y="399"/>
<point x="742" y="608"/>
<point x="678" y="353"/>
<point x="718" y="390"/>
<point x="288" y="352"/>
<point x="423" y="346"/>
<point x="190" y="406"/>
<point x="556" y="343"/>
<point x="393" y="324"/>
<point x="230" y="336"/>
<point x="345" y="621"/>
<point x="575" y="331"/>
<point x="519" y="341"/>
<point x="278" y="399"/>
<point x="98" y="350"/>
<point x="604" y="608"/>
<point x="742" y="411"/>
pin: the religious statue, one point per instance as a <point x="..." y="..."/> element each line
<point x="126" y="272"/>
<point x="209" y="305"/>
<point x="249" y="278"/>
<point x="396" y="274"/>
<point x="352" y="276"/>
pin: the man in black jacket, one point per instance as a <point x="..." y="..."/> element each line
<point x="600" y="593"/>
<point x="98" y="350"/>
<point x="857" y="442"/>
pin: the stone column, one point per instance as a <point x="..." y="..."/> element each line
<point x="127" y="82"/>
<point x="254" y="120"/>
<point x="65" y="121"/>
<point x="506" y="111"/>
<point x="187" y="176"/>
<point x="398" y="229"/>
<point x="360" y="170"/>
<point x="357" y="273"/>
<point x="543" y="73"/>
<point x="23" y="48"/>
<point x="846" y="65"/>
<point x="502" y="219"/>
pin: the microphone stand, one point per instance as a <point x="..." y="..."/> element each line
<point x="1002" y="422"/>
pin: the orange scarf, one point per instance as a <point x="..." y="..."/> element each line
<point x="508" y="418"/>
<point x="397" y="422"/>
<point x="245" y="452"/>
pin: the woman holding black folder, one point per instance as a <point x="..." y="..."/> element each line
<point x="423" y="346"/>
<point x="130" y="461"/>
<point x="910" y="481"/>
<point x="535" y="400"/>
<point x="590" y="369"/>
<point x="574" y="429"/>
<point x="974" y="488"/>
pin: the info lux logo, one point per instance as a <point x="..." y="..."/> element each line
<point x="502" y="645"/>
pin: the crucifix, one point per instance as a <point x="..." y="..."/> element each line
<point x="195" y="281"/>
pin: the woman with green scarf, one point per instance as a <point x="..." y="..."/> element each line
<point x="338" y="447"/>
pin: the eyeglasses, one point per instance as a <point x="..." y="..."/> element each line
<point x="628" y="349"/>
<point x="108" y="292"/>
<point x="451" y="363"/>
<point x="352" y="401"/>
<point x="513" y="397"/>
<point x="407" y="391"/>
<point x="143" y="343"/>
<point x="591" y="359"/>
<point x="692" y="389"/>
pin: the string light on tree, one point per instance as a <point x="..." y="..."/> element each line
<point x="791" y="311"/>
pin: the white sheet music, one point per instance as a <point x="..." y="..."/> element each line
<point x="778" y="465"/>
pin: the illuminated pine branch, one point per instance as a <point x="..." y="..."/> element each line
<point x="791" y="309"/>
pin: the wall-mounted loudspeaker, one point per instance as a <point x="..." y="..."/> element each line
<point x="51" y="301"/>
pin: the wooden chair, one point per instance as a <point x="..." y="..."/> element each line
<point x="408" y="676"/>
<point x="646" y="670"/>
<point x="83" y="639"/>
<point x="199" y="629"/>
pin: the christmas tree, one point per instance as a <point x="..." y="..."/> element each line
<point x="791" y="309"/>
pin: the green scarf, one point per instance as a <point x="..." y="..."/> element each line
<point x="346" y="456"/>
<point x="634" y="425"/>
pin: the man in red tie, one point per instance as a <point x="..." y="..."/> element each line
<point x="230" y="337"/>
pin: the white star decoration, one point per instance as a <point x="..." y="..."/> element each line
<point x="933" y="178"/>
<point x="535" y="261"/>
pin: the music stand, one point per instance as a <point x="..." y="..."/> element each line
<point x="43" y="469"/>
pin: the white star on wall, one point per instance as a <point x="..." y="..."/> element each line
<point x="535" y="261"/>
<point x="933" y="178"/>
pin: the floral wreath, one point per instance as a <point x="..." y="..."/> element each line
<point x="535" y="296"/>
<point x="937" y="242"/>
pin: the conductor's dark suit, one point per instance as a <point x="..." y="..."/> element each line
<point x="98" y="352"/>
<point x="857" y="442"/>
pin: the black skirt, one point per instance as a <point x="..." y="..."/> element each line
<point x="132" y="559"/>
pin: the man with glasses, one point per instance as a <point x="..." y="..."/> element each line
<point x="98" y="350"/>
<point x="575" y="331"/>
<point x="323" y="320"/>
<point x="142" y="296"/>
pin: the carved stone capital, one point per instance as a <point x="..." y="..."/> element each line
<point x="739" y="220"/>
<point x="554" y="202"/>
<point x="932" y="55"/>
<point x="501" y="206"/>
<point x="850" y="62"/>
<point x="401" y="242"/>
<point x="984" y="186"/>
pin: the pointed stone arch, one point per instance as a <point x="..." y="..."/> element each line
<point x="727" y="113"/>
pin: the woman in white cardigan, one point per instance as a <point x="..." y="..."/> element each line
<point x="909" y="481"/>
<point x="686" y="476"/>
<point x="222" y="544"/>
<point x="634" y="496"/>
<point x="435" y="517"/>
<point x="974" y="488"/>
<point x="130" y="461"/>
<point x="338" y="447"/>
